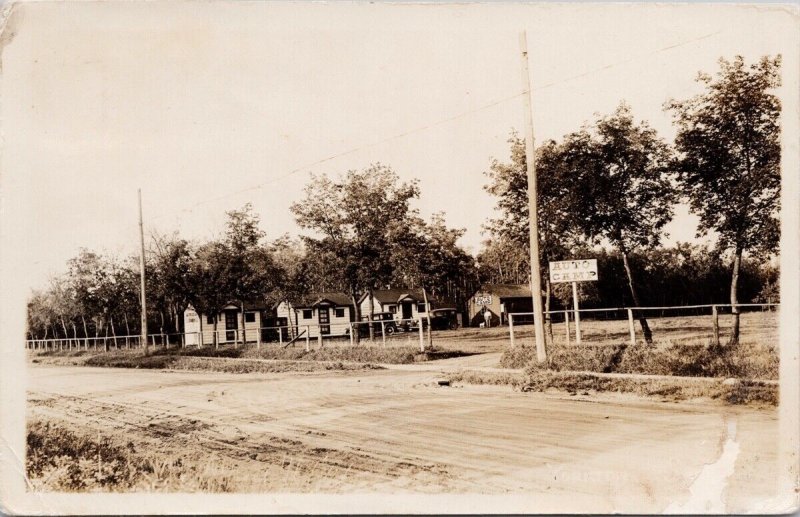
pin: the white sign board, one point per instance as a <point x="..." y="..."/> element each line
<point x="573" y="271"/>
<point x="483" y="299"/>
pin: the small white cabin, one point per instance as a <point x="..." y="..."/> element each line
<point x="405" y="304"/>
<point x="326" y="314"/>
<point x="199" y="328"/>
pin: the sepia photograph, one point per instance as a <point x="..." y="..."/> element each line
<point x="309" y="257"/>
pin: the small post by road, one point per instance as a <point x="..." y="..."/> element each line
<point x="715" y="321"/>
<point x="352" y="329"/>
<point x="566" y="325"/>
<point x="428" y="316"/>
<point x="421" y="337"/>
<point x="319" y="339"/>
<point x="631" y="327"/>
<point x="511" y="328"/>
<point x="308" y="338"/>
<point x="383" y="334"/>
<point x="577" y="308"/>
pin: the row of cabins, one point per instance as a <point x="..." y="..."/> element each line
<point x="331" y="313"/>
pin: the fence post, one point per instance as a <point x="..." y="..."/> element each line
<point x="383" y="334"/>
<point x="575" y="304"/>
<point x="511" y="328"/>
<point x="308" y="338"/>
<point x="319" y="338"/>
<point x="421" y="337"/>
<point x="715" y="322"/>
<point x="566" y="325"/>
<point x="280" y="336"/>
<point x="352" y="329"/>
<point x="258" y="337"/>
<point x="631" y="327"/>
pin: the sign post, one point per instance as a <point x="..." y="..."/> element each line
<point x="577" y="309"/>
<point x="574" y="271"/>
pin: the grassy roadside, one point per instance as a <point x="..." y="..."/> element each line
<point x="671" y="388"/>
<point x="748" y="360"/>
<point x="249" y="359"/>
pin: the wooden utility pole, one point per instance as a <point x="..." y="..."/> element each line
<point x="536" y="280"/>
<point x="142" y="294"/>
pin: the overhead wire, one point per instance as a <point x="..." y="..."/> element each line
<point x="437" y="123"/>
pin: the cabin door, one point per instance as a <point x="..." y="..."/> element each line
<point x="407" y="310"/>
<point x="324" y="321"/>
<point x="231" y="325"/>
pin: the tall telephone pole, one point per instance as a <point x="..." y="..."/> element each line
<point x="530" y="161"/>
<point x="143" y="337"/>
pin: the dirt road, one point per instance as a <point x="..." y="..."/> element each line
<point x="396" y="430"/>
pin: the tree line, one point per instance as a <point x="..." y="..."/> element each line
<point x="606" y="191"/>
<point x="615" y="183"/>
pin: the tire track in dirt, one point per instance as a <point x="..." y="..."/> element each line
<point x="397" y="430"/>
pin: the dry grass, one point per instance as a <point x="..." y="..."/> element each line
<point x="267" y="359"/>
<point x="745" y="361"/>
<point x="739" y="392"/>
<point x="59" y="459"/>
<point x="669" y="389"/>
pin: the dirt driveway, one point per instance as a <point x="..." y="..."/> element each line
<point x="396" y="430"/>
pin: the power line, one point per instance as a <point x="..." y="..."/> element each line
<point x="441" y="122"/>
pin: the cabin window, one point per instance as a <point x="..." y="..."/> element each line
<point x="340" y="313"/>
<point x="307" y="313"/>
<point x="420" y="307"/>
<point x="210" y="320"/>
<point x="250" y="317"/>
<point x="392" y="308"/>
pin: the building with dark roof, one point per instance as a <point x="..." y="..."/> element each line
<point x="499" y="300"/>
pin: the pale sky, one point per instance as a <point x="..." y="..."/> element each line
<point x="207" y="106"/>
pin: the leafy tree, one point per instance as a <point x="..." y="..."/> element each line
<point x="729" y="159"/>
<point x="621" y="190"/>
<point x="208" y="276"/>
<point x="508" y="182"/>
<point x="249" y="271"/>
<point x="428" y="255"/>
<point x="353" y="218"/>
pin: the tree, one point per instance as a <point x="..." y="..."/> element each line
<point x="508" y="182"/>
<point x="170" y="261"/>
<point x="427" y="255"/>
<point x="207" y="275"/>
<point x="622" y="193"/>
<point x="250" y="272"/>
<point x="353" y="218"/>
<point x="728" y="164"/>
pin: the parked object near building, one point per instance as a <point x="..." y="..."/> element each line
<point x="445" y="319"/>
<point x="199" y="327"/>
<point x="403" y="304"/>
<point x="325" y="314"/>
<point x="500" y="300"/>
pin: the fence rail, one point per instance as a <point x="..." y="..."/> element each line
<point x="387" y="332"/>
<point x="573" y="333"/>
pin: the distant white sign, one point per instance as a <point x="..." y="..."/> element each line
<point x="483" y="299"/>
<point x="573" y="271"/>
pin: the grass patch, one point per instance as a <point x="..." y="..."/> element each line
<point x="58" y="459"/>
<point x="514" y="380"/>
<point x="743" y="361"/>
<point x="738" y="392"/>
<point x="333" y="357"/>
